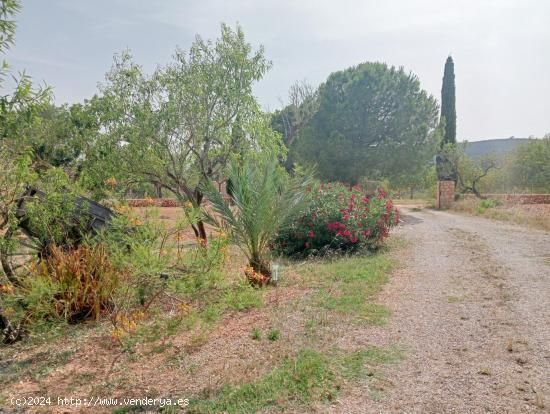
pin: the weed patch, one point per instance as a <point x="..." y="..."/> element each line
<point x="309" y="377"/>
<point x="346" y="284"/>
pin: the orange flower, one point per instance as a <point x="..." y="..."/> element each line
<point x="7" y="289"/>
<point x="136" y="221"/>
<point x="183" y="308"/>
<point x="111" y="182"/>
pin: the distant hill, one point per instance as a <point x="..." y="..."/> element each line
<point x="499" y="147"/>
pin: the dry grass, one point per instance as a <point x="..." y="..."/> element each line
<point x="532" y="215"/>
<point x="414" y="202"/>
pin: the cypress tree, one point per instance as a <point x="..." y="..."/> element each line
<point x="448" y="106"/>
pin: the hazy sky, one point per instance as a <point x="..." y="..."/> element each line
<point x="501" y="48"/>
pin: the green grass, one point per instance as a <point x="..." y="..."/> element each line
<point x="256" y="334"/>
<point x="273" y="335"/>
<point x="244" y="297"/>
<point x="359" y="364"/>
<point x="346" y="284"/>
<point x="214" y="304"/>
<point x="309" y="377"/>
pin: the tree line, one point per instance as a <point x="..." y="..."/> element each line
<point x="172" y="130"/>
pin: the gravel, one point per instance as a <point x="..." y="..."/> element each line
<point x="472" y="307"/>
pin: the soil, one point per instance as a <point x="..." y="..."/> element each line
<point x="472" y="308"/>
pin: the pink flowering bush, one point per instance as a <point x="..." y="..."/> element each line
<point x="338" y="218"/>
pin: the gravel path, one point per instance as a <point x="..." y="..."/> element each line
<point x="472" y="308"/>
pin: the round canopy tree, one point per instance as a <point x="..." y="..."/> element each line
<point x="373" y="120"/>
<point x="179" y="128"/>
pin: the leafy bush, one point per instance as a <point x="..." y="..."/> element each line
<point x="486" y="204"/>
<point x="74" y="285"/>
<point x="338" y="218"/>
<point x="490" y="203"/>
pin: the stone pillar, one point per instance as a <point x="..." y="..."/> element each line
<point x="445" y="194"/>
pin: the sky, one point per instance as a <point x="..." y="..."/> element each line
<point x="500" y="48"/>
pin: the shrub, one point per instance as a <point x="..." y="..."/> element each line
<point x="339" y="218"/>
<point x="486" y="204"/>
<point x="75" y="285"/>
<point x="264" y="197"/>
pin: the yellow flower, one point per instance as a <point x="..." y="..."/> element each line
<point x="183" y="308"/>
<point x="111" y="182"/>
<point x="138" y="315"/>
<point x="116" y="334"/>
<point x="121" y="209"/>
<point x="136" y="221"/>
<point x="189" y="205"/>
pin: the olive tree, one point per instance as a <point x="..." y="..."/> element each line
<point x="180" y="126"/>
<point x="469" y="172"/>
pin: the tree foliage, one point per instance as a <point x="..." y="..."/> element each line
<point x="179" y="127"/>
<point x="448" y="104"/>
<point x="8" y="9"/>
<point x="530" y="168"/>
<point x="373" y="120"/>
<point x="469" y="172"/>
<point x="302" y="106"/>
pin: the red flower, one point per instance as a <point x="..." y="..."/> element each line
<point x="307" y="245"/>
<point x="311" y="234"/>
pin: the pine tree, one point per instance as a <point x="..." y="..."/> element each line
<point x="448" y="106"/>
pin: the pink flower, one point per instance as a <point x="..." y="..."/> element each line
<point x="311" y="234"/>
<point x="307" y="245"/>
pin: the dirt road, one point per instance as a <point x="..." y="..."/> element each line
<point x="472" y="307"/>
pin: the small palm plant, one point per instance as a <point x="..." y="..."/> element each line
<point x="264" y="198"/>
